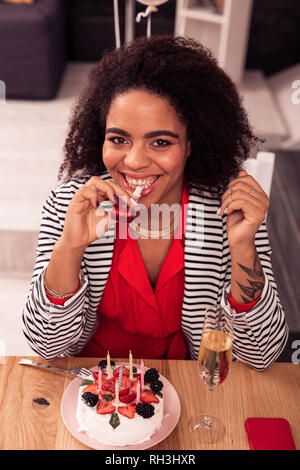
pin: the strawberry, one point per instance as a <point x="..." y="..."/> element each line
<point x="134" y="386"/>
<point x="149" y="397"/>
<point x="104" y="392"/>
<point x="105" y="407"/>
<point x="125" y="371"/>
<point x="92" y="388"/>
<point x="95" y="375"/>
<point x="128" y="398"/>
<point x="127" y="410"/>
<point x="109" y="385"/>
<point x="125" y="381"/>
<point x="124" y="391"/>
<point x="137" y="376"/>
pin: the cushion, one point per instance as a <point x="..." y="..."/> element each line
<point x="33" y="50"/>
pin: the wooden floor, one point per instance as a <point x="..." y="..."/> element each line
<point x="284" y="231"/>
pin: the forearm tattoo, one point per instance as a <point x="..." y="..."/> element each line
<point x="254" y="286"/>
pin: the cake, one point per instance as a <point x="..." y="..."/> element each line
<point x="109" y="412"/>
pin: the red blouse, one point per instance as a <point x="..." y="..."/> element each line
<point x="133" y="316"/>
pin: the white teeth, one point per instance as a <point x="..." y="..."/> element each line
<point x="146" y="183"/>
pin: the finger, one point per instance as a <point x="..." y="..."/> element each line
<point x="104" y="189"/>
<point x="244" y="177"/>
<point x="101" y="212"/>
<point x="233" y="191"/>
<point x="104" y="224"/>
<point x="239" y="196"/>
<point x="120" y="192"/>
<point x="110" y="188"/>
<point x="88" y="194"/>
<point x="248" y="207"/>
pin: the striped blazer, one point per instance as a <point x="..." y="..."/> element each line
<point x="63" y="330"/>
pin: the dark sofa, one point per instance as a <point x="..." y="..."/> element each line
<point x="32" y="48"/>
<point x="37" y="40"/>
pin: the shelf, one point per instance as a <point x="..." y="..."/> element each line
<point x="224" y="33"/>
<point x="203" y="14"/>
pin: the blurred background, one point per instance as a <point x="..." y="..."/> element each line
<point x="47" y="48"/>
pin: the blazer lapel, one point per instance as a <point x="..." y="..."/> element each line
<point x="203" y="262"/>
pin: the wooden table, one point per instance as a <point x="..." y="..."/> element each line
<point x="245" y="393"/>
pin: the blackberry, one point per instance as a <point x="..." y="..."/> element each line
<point x="151" y="375"/>
<point x="156" y="386"/>
<point x="145" y="409"/>
<point x="103" y="364"/>
<point x="90" y="399"/>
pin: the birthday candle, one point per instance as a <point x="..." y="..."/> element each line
<point x="99" y="380"/>
<point x="130" y="366"/>
<point x="116" y="393"/>
<point x="142" y="374"/>
<point x="108" y="368"/>
<point x="120" y="376"/>
<point x="138" y="392"/>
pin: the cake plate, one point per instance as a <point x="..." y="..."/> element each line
<point x="172" y="410"/>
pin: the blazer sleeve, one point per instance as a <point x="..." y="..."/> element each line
<point x="53" y="330"/>
<point x="260" y="334"/>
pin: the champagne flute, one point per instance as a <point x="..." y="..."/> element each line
<point x="214" y="360"/>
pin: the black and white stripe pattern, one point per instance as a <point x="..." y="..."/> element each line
<point x="53" y="330"/>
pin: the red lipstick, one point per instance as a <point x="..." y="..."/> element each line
<point x="121" y="214"/>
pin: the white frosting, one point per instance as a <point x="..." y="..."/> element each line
<point x="130" y="430"/>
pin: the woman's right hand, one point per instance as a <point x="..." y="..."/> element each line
<point x="85" y="222"/>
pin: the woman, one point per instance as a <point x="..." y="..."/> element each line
<point x="158" y="113"/>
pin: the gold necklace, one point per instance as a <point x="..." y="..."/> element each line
<point x="155" y="233"/>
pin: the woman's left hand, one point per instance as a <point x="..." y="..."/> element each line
<point x="245" y="203"/>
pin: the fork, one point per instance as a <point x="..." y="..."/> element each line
<point x="78" y="371"/>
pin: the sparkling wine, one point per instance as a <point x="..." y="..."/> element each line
<point x="214" y="357"/>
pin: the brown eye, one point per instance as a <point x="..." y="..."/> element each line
<point x="161" y="143"/>
<point x="117" y="140"/>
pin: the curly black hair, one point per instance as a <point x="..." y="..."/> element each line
<point x="184" y="72"/>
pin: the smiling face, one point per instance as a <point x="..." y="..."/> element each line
<point x="145" y="139"/>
